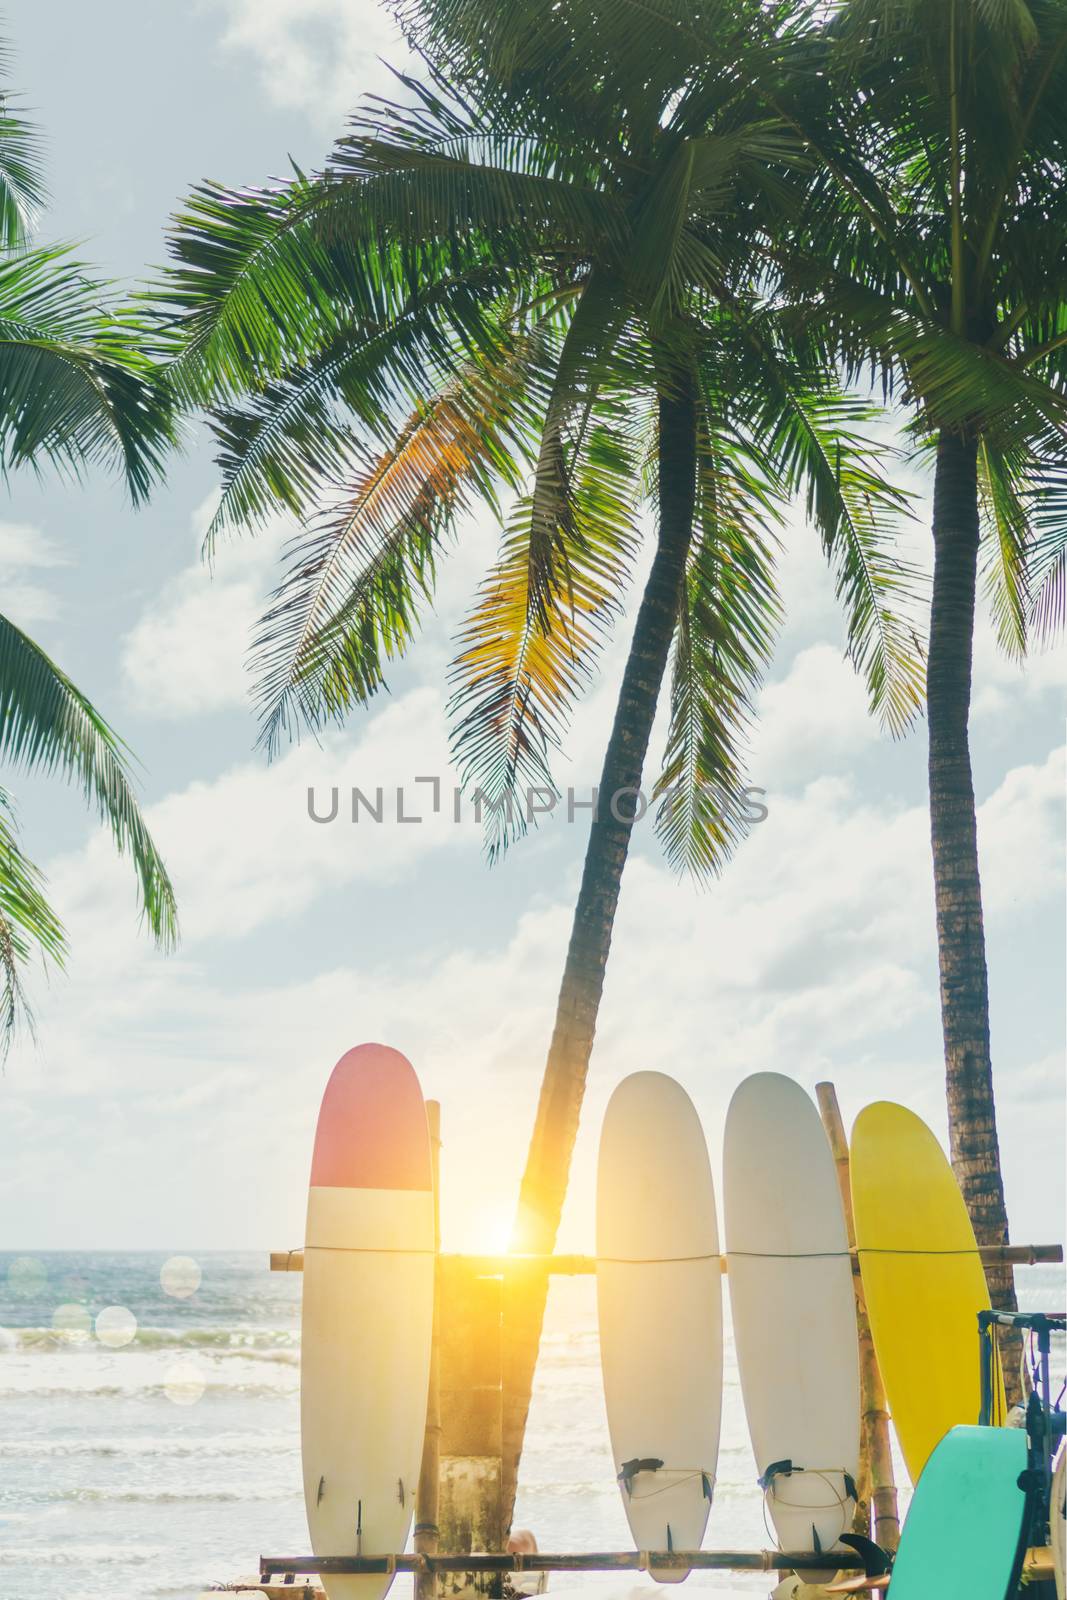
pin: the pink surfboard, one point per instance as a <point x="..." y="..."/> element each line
<point x="367" y="1320"/>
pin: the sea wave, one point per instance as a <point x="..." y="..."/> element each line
<point x="158" y="1386"/>
<point x="88" y="1369"/>
<point x="279" y="1344"/>
<point x="184" y="1496"/>
<point x="75" y="1555"/>
<point x="217" y="1445"/>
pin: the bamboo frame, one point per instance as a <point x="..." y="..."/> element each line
<point x="578" y="1561"/>
<point x="569" y="1266"/>
<point x="876" y="1462"/>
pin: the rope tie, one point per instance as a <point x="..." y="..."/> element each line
<point x="785" y="1469"/>
<point x="677" y="1476"/>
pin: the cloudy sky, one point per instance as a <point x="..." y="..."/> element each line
<point x="170" y="1102"/>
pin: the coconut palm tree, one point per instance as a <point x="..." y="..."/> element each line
<point x="495" y="289"/>
<point x="76" y="389"/>
<point x="931" y="252"/>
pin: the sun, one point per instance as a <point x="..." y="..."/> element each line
<point x="490" y="1229"/>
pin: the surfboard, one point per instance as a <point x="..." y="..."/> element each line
<point x="793" y="1308"/>
<point x="659" y="1301"/>
<point x="922" y="1278"/>
<point x="965" y="1533"/>
<point x="367" y="1319"/>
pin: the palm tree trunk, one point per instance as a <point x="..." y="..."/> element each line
<point x="957" y="889"/>
<point x="544" y="1182"/>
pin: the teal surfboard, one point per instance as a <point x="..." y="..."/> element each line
<point x="966" y="1532"/>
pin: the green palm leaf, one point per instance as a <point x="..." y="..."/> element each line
<point x="255" y="290"/>
<point x="76" y="385"/>
<point x="48" y="726"/>
<point x="532" y="640"/>
<point x="1046" y="578"/>
<point x="1005" y="536"/>
<point x="21" y="186"/>
<point x="352" y="596"/>
<point x="809" y="432"/>
<point x="27" y="924"/>
<point x="728" y="618"/>
<point x="296" y="433"/>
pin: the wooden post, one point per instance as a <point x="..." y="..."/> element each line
<point x="427" y="1495"/>
<point x="470" y="1513"/>
<point x="523" y="1291"/>
<point x="877" y="1485"/>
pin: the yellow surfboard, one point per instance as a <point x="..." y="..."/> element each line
<point x="922" y="1278"/>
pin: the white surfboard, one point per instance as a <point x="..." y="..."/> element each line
<point x="367" y="1319"/>
<point x="659" y="1298"/>
<point x="794" y="1311"/>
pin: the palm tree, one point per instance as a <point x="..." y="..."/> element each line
<point x="496" y="288"/>
<point x="75" y="389"/>
<point x="931" y="252"/>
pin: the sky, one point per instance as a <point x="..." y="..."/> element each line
<point x="170" y="1101"/>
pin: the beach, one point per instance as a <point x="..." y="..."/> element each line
<point x="161" y="1465"/>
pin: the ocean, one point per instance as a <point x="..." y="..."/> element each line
<point x="149" y="1427"/>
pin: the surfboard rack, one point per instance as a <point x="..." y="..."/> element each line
<point x="576" y="1561"/>
<point x="463" y="1491"/>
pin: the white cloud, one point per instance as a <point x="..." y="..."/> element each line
<point x="1020" y="837"/>
<point x="811" y="718"/>
<point x="23" y="548"/>
<point x="814" y="955"/>
<point x="186" y="653"/>
<point x="242" y="849"/>
<point x="1000" y="683"/>
<point x="320" y="57"/>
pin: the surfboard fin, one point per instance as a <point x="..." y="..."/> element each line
<point x="876" y="1561"/>
<point x="629" y="1470"/>
<point x="766" y="1479"/>
<point x="322" y="1490"/>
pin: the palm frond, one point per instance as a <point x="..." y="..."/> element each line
<point x="27" y="925"/>
<point x="253" y="290"/>
<point x="1047" y="560"/>
<point x="1005" y="535"/>
<point x="809" y="430"/>
<point x="76" y="383"/>
<point x="298" y="431"/>
<point x="47" y="725"/>
<point x="951" y="381"/>
<point x="531" y="643"/>
<point x="443" y="167"/>
<point x="350" y="600"/>
<point x="22" y="191"/>
<point x="728" y="618"/>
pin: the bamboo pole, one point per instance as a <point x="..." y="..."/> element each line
<point x="579" y="1561"/>
<point x="876" y="1462"/>
<point x="427" y="1494"/>
<point x="1019" y="1255"/>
